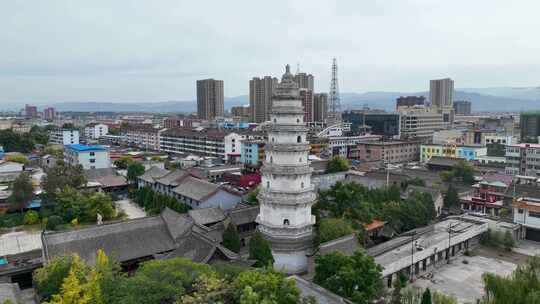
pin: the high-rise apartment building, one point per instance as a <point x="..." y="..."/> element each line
<point x="529" y="123"/>
<point x="441" y="96"/>
<point x="462" y="107"/>
<point x="320" y="107"/>
<point x="306" y="96"/>
<point x="49" y="113"/>
<point x="210" y="99"/>
<point x="30" y="111"/>
<point x="260" y="97"/>
<point x="304" y="81"/>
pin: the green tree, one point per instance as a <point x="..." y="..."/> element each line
<point x="231" y="239"/>
<point x="22" y="191"/>
<point x="123" y="162"/>
<point x="522" y="286"/>
<point x="134" y="170"/>
<point x="208" y="289"/>
<point x="60" y="176"/>
<point x="508" y="241"/>
<point x="465" y="171"/>
<point x="17" y="158"/>
<point x="355" y="277"/>
<point x="259" y="250"/>
<point x="451" y="198"/>
<point x="98" y="203"/>
<point x="53" y="222"/>
<point x="333" y="228"/>
<point x="14" y="142"/>
<point x="161" y="281"/>
<point x="440" y="298"/>
<point x="49" y="278"/>
<point x="426" y="297"/>
<point x="337" y="164"/>
<point x="265" y="286"/>
<point x="252" y="196"/>
<point x="31" y="217"/>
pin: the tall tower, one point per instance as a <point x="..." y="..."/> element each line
<point x="287" y="195"/>
<point x="334" y="104"/>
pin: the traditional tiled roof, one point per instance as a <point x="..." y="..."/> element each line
<point x="195" y="188"/>
<point x="206" y="216"/>
<point x="126" y="240"/>
<point x="244" y="215"/>
<point x="168" y="235"/>
<point x="153" y="173"/>
<point x="322" y="295"/>
<point x="347" y="244"/>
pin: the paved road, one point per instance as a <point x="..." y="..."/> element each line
<point x="131" y="209"/>
<point x="19" y="241"/>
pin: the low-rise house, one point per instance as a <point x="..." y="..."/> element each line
<point x="48" y="161"/>
<point x="527" y="214"/>
<point x="469" y="153"/>
<point x="189" y="187"/>
<point x="88" y="156"/>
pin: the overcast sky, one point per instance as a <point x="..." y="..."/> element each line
<point x="54" y="51"/>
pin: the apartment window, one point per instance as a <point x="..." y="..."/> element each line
<point x="520" y="211"/>
<point x="92" y="154"/>
<point x="299" y="139"/>
<point x="92" y="160"/>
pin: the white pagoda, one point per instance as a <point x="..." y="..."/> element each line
<point x="286" y="194"/>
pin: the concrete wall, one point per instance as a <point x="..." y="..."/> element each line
<point x="326" y="181"/>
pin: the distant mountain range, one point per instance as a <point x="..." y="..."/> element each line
<point x="503" y="99"/>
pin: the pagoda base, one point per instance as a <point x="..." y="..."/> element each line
<point x="295" y="262"/>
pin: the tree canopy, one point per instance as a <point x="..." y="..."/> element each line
<point x="60" y="176"/>
<point x="355" y="277"/>
<point x="463" y="172"/>
<point x="22" y="190"/>
<point x="231" y="239"/>
<point x="523" y="286"/>
<point x="134" y="170"/>
<point x="337" y="164"/>
<point x="333" y="228"/>
<point x="361" y="205"/>
<point x="153" y="202"/>
<point x="259" y="250"/>
<point x="176" y="280"/>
